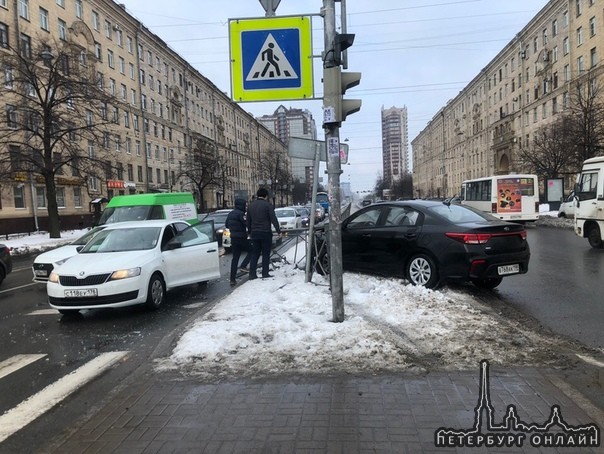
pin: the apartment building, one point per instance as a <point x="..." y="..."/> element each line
<point x="164" y="114"/>
<point x="395" y="143"/>
<point x="525" y="87"/>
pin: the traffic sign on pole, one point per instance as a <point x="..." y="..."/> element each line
<point x="271" y="59"/>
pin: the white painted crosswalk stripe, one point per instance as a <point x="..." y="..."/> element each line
<point x="30" y="409"/>
<point x="10" y="365"/>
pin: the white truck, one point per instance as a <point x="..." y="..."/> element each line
<point x="589" y="202"/>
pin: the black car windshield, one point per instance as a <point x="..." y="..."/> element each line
<point x="460" y="214"/>
<point x="121" y="240"/>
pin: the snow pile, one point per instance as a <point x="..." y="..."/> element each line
<point x="283" y="326"/>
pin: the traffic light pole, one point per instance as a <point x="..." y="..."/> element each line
<point x="331" y="94"/>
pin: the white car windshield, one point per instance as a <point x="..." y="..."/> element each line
<point x="120" y="240"/>
<point x="285" y="213"/>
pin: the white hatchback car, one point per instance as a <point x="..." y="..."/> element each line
<point x="134" y="263"/>
<point x="567" y="208"/>
<point x="44" y="263"/>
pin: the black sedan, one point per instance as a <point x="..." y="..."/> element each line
<point x="430" y="243"/>
<point x="6" y="264"/>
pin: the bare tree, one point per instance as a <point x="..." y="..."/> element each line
<point x="586" y="111"/>
<point x="203" y="167"/>
<point x="56" y="114"/>
<point x="552" y="151"/>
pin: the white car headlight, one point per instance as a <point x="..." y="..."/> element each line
<point x="125" y="274"/>
<point x="54" y="277"/>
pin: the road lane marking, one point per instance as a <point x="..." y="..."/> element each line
<point x="17" y="288"/>
<point x="10" y="365"/>
<point x="44" y="312"/>
<point x="590" y="360"/>
<point x="18" y="417"/>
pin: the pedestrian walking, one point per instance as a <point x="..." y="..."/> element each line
<point x="237" y="225"/>
<point x="260" y="217"/>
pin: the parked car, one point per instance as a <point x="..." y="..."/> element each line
<point x="567" y="208"/>
<point x="430" y="243"/>
<point x="304" y="215"/>
<point x="6" y="264"/>
<point x="134" y="263"/>
<point x="288" y="218"/>
<point x="319" y="211"/>
<point x="44" y="263"/>
<point x="219" y="218"/>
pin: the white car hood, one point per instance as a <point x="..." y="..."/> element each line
<point x="288" y="219"/>
<point x="57" y="254"/>
<point x="99" y="263"/>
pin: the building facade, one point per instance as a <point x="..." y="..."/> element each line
<point x="395" y="143"/>
<point x="165" y="113"/>
<point x="286" y="123"/>
<point x="524" y="88"/>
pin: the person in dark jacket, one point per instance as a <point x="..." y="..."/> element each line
<point x="237" y="225"/>
<point x="260" y="216"/>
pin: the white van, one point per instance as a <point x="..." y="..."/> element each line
<point x="589" y="202"/>
<point x="567" y="207"/>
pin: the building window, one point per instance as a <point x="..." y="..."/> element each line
<point x="61" y="3"/>
<point x="122" y="65"/>
<point x="25" y="46"/>
<point x="110" y="61"/>
<point x="554" y="27"/>
<point x="149" y="174"/>
<point x="592" y="26"/>
<point x="8" y="77"/>
<point x="19" y="196"/>
<point x="118" y="144"/>
<point x="139" y="173"/>
<point x="11" y="116"/>
<point x="565" y="18"/>
<point x="130" y="171"/>
<point x="96" y="23"/>
<point x="124" y="92"/>
<point x="132" y="72"/>
<point x="555" y="54"/>
<point x="119" y="37"/>
<point x="41" y="196"/>
<point x="135" y="124"/>
<point x="566" y="73"/>
<point x="579" y="36"/>
<point x="578" y="6"/>
<point x="62" y="30"/>
<point x="79" y="9"/>
<point x="580" y="64"/>
<point x="60" y="197"/>
<point x="108" y="29"/>
<point x="129" y="151"/>
<point x="24" y="9"/>
<point x="3" y="35"/>
<point x="98" y="52"/>
<point x="554" y="105"/>
<point x="138" y="148"/>
<point x="44" y="20"/>
<point x="129" y="43"/>
<point x="544" y="36"/>
<point x="77" y="197"/>
<point x="565" y="46"/>
<point x="593" y="58"/>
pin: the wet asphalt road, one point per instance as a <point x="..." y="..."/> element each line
<point x="564" y="288"/>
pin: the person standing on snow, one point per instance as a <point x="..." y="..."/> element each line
<point x="260" y="216"/>
<point x="237" y="225"/>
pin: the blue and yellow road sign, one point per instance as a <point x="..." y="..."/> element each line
<point x="271" y="58"/>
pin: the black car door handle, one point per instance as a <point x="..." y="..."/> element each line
<point x="410" y="235"/>
<point x="210" y="250"/>
<point x="366" y="235"/>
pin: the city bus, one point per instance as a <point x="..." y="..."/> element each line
<point x="512" y="197"/>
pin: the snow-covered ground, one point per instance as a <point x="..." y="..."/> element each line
<point x="283" y="325"/>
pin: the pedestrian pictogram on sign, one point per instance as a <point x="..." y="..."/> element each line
<point x="271" y="63"/>
<point x="271" y="58"/>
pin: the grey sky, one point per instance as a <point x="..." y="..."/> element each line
<point x="414" y="53"/>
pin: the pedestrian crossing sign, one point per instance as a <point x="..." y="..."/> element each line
<point x="271" y="58"/>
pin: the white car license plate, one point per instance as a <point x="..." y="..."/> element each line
<point x="41" y="273"/>
<point x="508" y="269"/>
<point x="81" y="293"/>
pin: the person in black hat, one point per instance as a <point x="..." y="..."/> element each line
<point x="260" y="216"/>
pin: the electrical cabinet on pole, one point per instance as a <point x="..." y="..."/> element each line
<point x="335" y="111"/>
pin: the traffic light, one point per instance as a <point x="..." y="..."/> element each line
<point x="335" y="84"/>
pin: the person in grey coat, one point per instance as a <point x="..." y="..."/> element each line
<point x="260" y="217"/>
